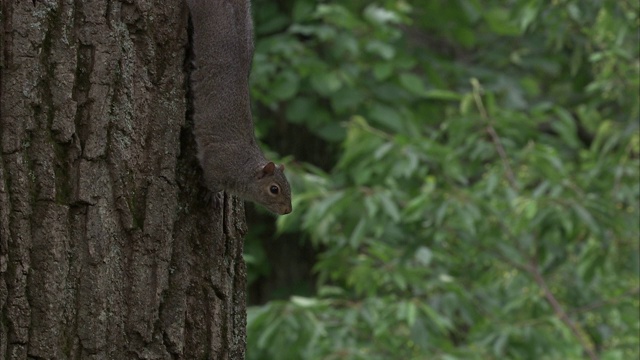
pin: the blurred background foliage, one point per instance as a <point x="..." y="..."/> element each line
<point x="465" y="178"/>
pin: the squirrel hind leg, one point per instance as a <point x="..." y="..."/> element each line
<point x="213" y="198"/>
<point x="206" y="194"/>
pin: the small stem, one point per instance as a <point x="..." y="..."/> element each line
<point x="532" y="268"/>
<point x="577" y="331"/>
<point x="606" y="302"/>
<point x="493" y="134"/>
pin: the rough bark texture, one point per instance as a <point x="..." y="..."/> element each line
<point x="107" y="250"/>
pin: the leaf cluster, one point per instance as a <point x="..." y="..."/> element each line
<point x="485" y="199"/>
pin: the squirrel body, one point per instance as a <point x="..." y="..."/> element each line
<point x="227" y="149"/>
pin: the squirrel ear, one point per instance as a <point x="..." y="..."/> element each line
<point x="281" y="167"/>
<point x="268" y="169"/>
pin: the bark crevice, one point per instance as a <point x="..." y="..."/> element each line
<point x="107" y="248"/>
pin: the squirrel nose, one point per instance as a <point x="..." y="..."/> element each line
<point x="286" y="210"/>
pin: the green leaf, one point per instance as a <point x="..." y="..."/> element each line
<point x="586" y="217"/>
<point x="501" y="22"/>
<point x="303" y="10"/>
<point x="528" y="14"/>
<point x="332" y="132"/>
<point x="566" y="127"/>
<point x="424" y="255"/>
<point x="304" y="302"/>
<point x="326" y="83"/>
<point x="285" y="86"/>
<point x="412" y="83"/>
<point x="383" y="71"/>
<point x="385" y="51"/>
<point x="386" y="116"/>
<point x="389" y="206"/>
<point x="380" y="15"/>
<point x="346" y="99"/>
<point x="436" y="94"/>
<point x="358" y="233"/>
<point x="300" y="109"/>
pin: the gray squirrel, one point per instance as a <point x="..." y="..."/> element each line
<point x="229" y="154"/>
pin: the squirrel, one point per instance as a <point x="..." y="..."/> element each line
<point x="231" y="160"/>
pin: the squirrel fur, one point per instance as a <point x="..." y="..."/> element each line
<point x="230" y="157"/>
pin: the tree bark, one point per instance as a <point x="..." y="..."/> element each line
<point x="107" y="248"/>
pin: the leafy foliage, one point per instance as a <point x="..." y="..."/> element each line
<point x="485" y="199"/>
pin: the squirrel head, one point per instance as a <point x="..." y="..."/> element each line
<point x="271" y="189"/>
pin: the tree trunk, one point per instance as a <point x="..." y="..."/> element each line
<point x="107" y="248"/>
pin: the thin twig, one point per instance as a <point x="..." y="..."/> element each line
<point x="532" y="268"/>
<point x="493" y="134"/>
<point x="577" y="331"/>
<point x="606" y="302"/>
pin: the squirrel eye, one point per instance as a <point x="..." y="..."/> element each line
<point x="274" y="189"/>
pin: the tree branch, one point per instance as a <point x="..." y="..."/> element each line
<point x="559" y="311"/>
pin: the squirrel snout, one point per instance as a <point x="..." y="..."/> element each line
<point x="286" y="210"/>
